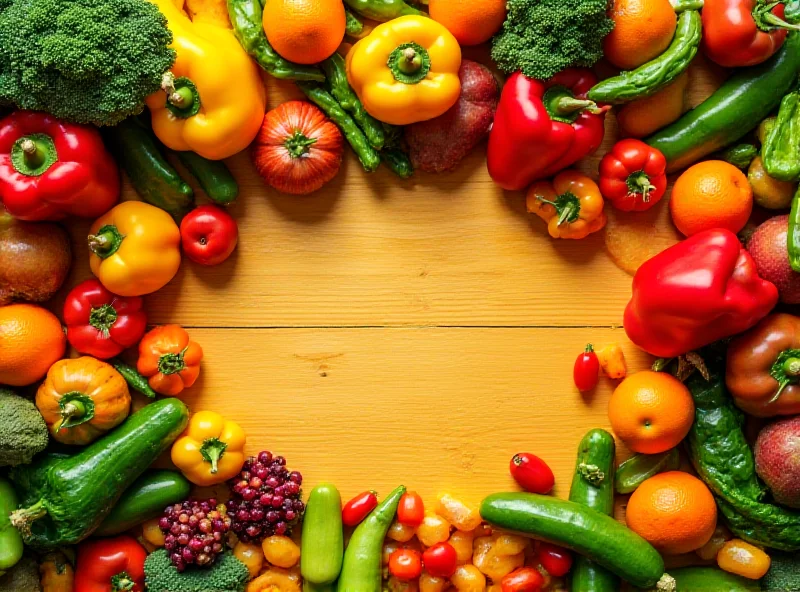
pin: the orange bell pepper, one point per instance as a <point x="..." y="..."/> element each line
<point x="169" y="360"/>
<point x="211" y="450"/>
<point x="571" y="204"/>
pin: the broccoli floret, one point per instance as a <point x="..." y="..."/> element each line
<point x="87" y="61"/>
<point x="225" y="575"/>
<point x="23" y="432"/>
<point x="544" y="37"/>
<point x="23" y="577"/>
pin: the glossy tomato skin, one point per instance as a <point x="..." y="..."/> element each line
<point x="586" y="372"/>
<point x="532" y="473"/>
<point x="411" y="510"/>
<point x="405" y="564"/>
<point x="358" y="508"/>
<point x="556" y="560"/>
<point x="441" y="560"/>
<point x="524" y="579"/>
<point x="209" y="235"/>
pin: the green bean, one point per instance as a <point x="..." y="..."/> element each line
<point x="135" y="380"/>
<point x="382" y="10"/>
<point x="398" y="162"/>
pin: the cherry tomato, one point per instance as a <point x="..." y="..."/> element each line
<point x="411" y="510"/>
<point x="441" y="560"/>
<point x="532" y="473"/>
<point x="209" y="235"/>
<point x="405" y="564"/>
<point x="359" y="508"/>
<point x="524" y="579"/>
<point x="556" y="560"/>
<point x="586" y="370"/>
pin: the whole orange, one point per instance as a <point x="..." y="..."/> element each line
<point x="304" y="31"/>
<point x="470" y="21"/>
<point x="674" y="511"/>
<point x="711" y="194"/>
<point x="651" y="412"/>
<point x="31" y="340"/>
<point x="643" y="29"/>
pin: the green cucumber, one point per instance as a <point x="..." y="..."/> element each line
<point x="322" y="543"/>
<point x="311" y="587"/>
<point x="584" y="530"/>
<point x="145" y="499"/>
<point x="711" y="579"/>
<point x="214" y="177"/>
<point x="640" y="467"/>
<point x="10" y="539"/>
<point x="593" y="487"/>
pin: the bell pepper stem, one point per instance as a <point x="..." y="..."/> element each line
<point x="767" y="21"/>
<point x="76" y="408"/>
<point x="23" y="518"/>
<point x="106" y="242"/>
<point x="409" y="63"/>
<point x="639" y="183"/>
<point x="103" y="318"/>
<point x="182" y="97"/>
<point x="34" y="154"/>
<point x="122" y="582"/>
<point x="172" y="363"/>
<point x="212" y="450"/>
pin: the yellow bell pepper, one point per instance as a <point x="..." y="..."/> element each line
<point x="213" y="99"/>
<point x="571" y="204"/>
<point x="134" y="249"/>
<point x="211" y="450"/>
<point x="406" y="70"/>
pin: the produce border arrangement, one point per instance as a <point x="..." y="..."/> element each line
<point x="91" y="393"/>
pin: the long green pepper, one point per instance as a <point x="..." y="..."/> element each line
<point x="383" y="10"/>
<point x="781" y="150"/>
<point x="793" y="236"/>
<point x="10" y="539"/>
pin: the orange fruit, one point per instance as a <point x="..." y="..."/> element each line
<point x="651" y="412"/>
<point x="674" y="511"/>
<point x="711" y="194"/>
<point x="470" y="21"/>
<point x="643" y="29"/>
<point x="304" y="31"/>
<point x="31" y="340"/>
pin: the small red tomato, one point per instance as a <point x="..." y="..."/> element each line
<point x="411" y="511"/>
<point x="359" y="508"/>
<point x="556" y="560"/>
<point x="441" y="560"/>
<point x="405" y="564"/>
<point x="209" y="235"/>
<point x="524" y="579"/>
<point x="532" y="473"/>
<point x="586" y="370"/>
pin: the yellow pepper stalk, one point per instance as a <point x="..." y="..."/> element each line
<point x="406" y="70"/>
<point x="211" y="450"/>
<point x="213" y="99"/>
<point x="571" y="204"/>
<point x="135" y="249"/>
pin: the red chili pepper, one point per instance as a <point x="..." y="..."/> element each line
<point x="358" y="508"/>
<point x="587" y="370"/>
<point x="696" y="292"/>
<point x="110" y="565"/>
<point x="532" y="473"/>
<point x="405" y="564"/>
<point x="102" y="324"/>
<point x="50" y="168"/>
<point x="411" y="510"/>
<point x="543" y="127"/>
<point x="556" y="560"/>
<point x="633" y="176"/>
<point x="524" y="579"/>
<point x="441" y="560"/>
<point x="209" y="235"/>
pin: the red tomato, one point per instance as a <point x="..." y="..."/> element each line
<point x="532" y="473"/>
<point x="411" y="510"/>
<point x="405" y="564"/>
<point x="359" y="508"/>
<point x="209" y="235"/>
<point x="556" y="560"/>
<point x="441" y="560"/>
<point x="524" y="579"/>
<point x="586" y="370"/>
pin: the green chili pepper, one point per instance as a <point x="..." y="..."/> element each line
<point x="640" y="467"/>
<point x="135" y="380"/>
<point x="740" y="155"/>
<point x="369" y="157"/>
<point x="793" y="237"/>
<point x="651" y="77"/>
<point x="398" y="162"/>
<point x="361" y="570"/>
<point x="246" y="18"/>
<point x="382" y="10"/>
<point x="353" y="27"/>
<point x="781" y="151"/>
<point x="10" y="538"/>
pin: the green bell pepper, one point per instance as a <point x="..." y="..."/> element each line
<point x="781" y="151"/>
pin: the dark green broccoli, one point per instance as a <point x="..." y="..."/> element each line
<point x="23" y="577"/>
<point x="87" y="61"/>
<point x="544" y="37"/>
<point x="23" y="432"/>
<point x="227" y="574"/>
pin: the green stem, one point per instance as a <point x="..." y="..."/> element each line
<point x="299" y="144"/>
<point x="409" y="63"/>
<point x="561" y="104"/>
<point x="103" y="318"/>
<point x="639" y="183"/>
<point x="23" y="518"/>
<point x="106" y="242"/>
<point x="122" y="582"/>
<point x="33" y="154"/>
<point x="767" y="21"/>
<point x="171" y="363"/>
<point x="76" y="408"/>
<point x="212" y="450"/>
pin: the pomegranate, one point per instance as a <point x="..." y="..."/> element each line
<point x="777" y="453"/>
<point x="767" y="246"/>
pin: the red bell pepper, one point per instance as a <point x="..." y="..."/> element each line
<point x="50" y="169"/>
<point x="740" y="33"/>
<point x="633" y="176"/>
<point x="110" y="565"/>
<point x="102" y="324"/>
<point x="694" y="293"/>
<point x="543" y="127"/>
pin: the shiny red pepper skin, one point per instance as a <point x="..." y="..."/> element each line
<point x="358" y="508"/>
<point x="694" y="293"/>
<point x="102" y="324"/>
<point x="527" y="144"/>
<point x="633" y="176"/>
<point x="82" y="181"/>
<point x="110" y="565"/>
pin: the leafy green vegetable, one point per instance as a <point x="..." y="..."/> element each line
<point x="23" y="431"/>
<point x="543" y="37"/>
<point x="225" y="575"/>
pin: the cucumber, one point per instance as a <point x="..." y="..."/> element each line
<point x="311" y="587"/>
<point x="711" y="579"/>
<point x="640" y="467"/>
<point x="322" y="543"/>
<point x="595" y="450"/>
<point x="145" y="499"/>
<point x="214" y="177"/>
<point x="584" y="530"/>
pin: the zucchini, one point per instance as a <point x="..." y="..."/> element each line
<point x="322" y="543"/>
<point x="595" y="459"/>
<point x="711" y="579"/>
<point x="640" y="467"/>
<point x="783" y="574"/>
<point x="584" y="530"/>
<point x="213" y="176"/>
<point x="145" y="499"/>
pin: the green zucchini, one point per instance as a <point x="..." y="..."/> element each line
<point x="710" y="579"/>
<point x="10" y="539"/>
<point x="214" y="177"/>
<point x="64" y="499"/>
<point x="593" y="487"/>
<point x="783" y="574"/>
<point x="322" y="543"/>
<point x="145" y="499"/>
<point x="584" y="530"/>
<point x="640" y="467"/>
